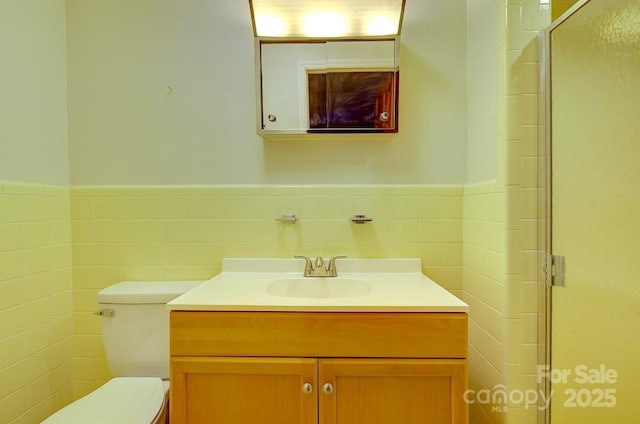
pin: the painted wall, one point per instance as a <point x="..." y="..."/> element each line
<point x="33" y="99"/>
<point x="482" y="91"/>
<point x="128" y="127"/>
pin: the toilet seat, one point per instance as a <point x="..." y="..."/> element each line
<point x="122" y="400"/>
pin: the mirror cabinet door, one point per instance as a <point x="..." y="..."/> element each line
<point x="284" y="86"/>
<point x="361" y="85"/>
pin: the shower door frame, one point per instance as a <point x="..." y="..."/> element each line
<point x="545" y="228"/>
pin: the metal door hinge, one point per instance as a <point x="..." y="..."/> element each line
<point x="555" y="271"/>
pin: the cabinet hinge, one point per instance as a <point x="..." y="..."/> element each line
<point x="555" y="270"/>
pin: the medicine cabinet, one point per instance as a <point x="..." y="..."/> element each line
<point x="337" y="86"/>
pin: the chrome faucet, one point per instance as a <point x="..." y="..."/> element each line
<point x="319" y="270"/>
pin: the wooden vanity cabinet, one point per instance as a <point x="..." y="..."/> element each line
<point x="243" y="390"/>
<point x="318" y="367"/>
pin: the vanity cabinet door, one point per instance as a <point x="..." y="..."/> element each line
<point x="391" y="391"/>
<point x="243" y="390"/>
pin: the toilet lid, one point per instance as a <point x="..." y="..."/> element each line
<point x="122" y="400"/>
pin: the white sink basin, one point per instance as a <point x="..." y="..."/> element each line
<point x="323" y="287"/>
<point x="362" y="285"/>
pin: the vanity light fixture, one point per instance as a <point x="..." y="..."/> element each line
<point x="326" y="18"/>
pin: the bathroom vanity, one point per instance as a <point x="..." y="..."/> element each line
<point x="256" y="344"/>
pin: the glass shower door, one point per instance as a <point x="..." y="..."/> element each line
<point x="595" y="150"/>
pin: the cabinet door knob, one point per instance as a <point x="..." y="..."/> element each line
<point x="327" y="388"/>
<point x="307" y="388"/>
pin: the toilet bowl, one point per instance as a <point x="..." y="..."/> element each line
<point x="135" y="329"/>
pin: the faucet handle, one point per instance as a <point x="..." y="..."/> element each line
<point x="320" y="270"/>
<point x="308" y="266"/>
<point x="331" y="269"/>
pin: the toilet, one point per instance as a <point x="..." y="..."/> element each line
<point x="135" y="330"/>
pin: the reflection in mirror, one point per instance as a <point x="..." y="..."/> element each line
<point x="284" y="68"/>
<point x="320" y="87"/>
<point x="351" y="99"/>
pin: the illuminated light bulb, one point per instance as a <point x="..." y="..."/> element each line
<point x="325" y="24"/>
<point x="381" y="25"/>
<point x="269" y="26"/>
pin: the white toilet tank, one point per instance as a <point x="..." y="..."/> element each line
<point x="135" y="326"/>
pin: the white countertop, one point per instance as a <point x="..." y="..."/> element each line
<point x="397" y="285"/>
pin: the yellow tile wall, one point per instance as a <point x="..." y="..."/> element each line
<point x="144" y="233"/>
<point x="524" y="161"/>
<point x="484" y="283"/>
<point x="36" y="344"/>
